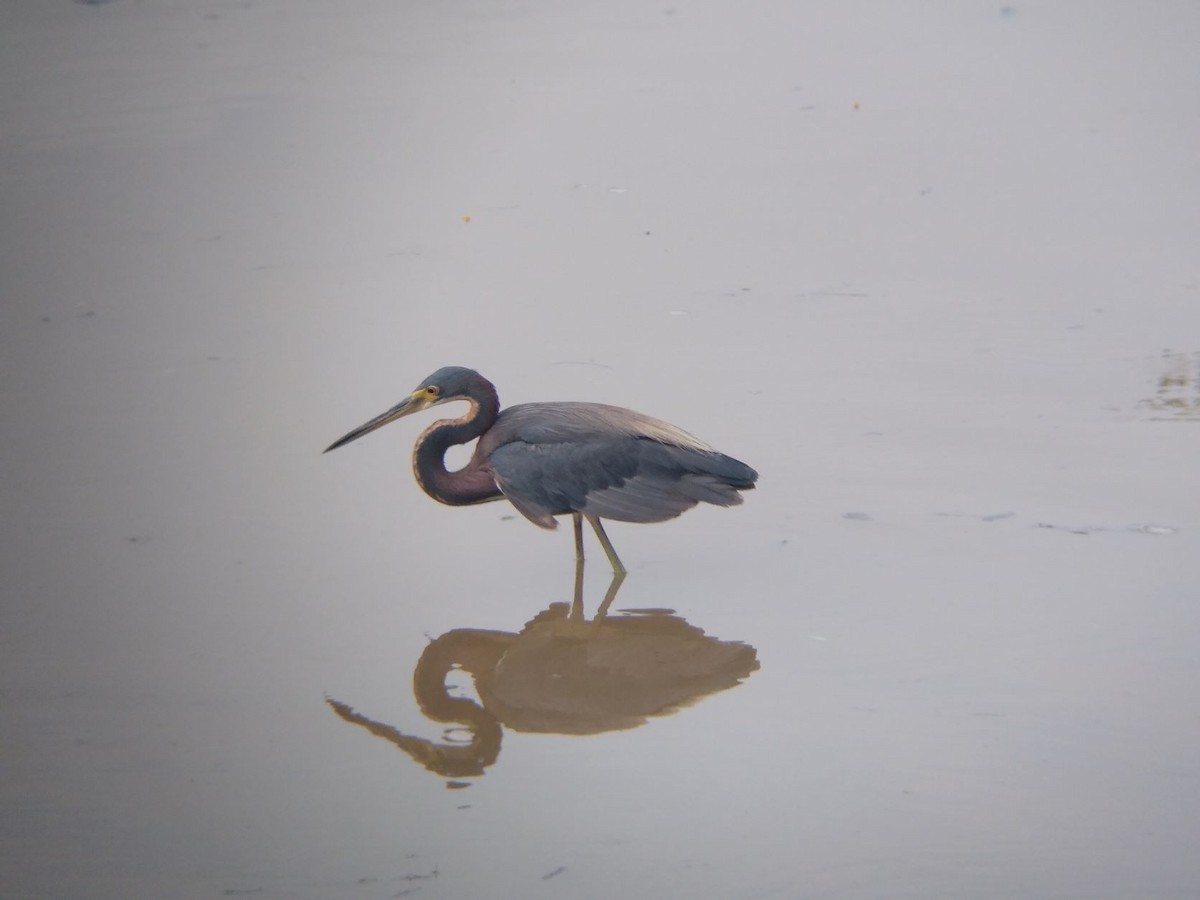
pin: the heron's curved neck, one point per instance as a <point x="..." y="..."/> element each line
<point x="470" y="484"/>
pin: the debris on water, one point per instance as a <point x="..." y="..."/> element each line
<point x="1144" y="528"/>
<point x="857" y="516"/>
<point x="1178" y="393"/>
<point x="1153" y="529"/>
<point x="554" y="873"/>
<point x="982" y="517"/>
<point x="1070" y="529"/>
<point x="416" y="876"/>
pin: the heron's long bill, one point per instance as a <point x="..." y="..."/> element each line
<point x="411" y="405"/>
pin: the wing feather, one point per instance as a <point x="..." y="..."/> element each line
<point x="630" y="479"/>
<point x="558" y="423"/>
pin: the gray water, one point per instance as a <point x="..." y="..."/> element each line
<point x="932" y="271"/>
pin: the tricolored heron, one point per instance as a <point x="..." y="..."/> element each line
<point x="548" y="459"/>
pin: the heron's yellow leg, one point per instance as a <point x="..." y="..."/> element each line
<point x="618" y="569"/>
<point x="609" y="596"/>
<point x="577" y="601"/>
<point x="577" y="524"/>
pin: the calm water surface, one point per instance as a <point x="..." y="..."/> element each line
<point x="931" y="272"/>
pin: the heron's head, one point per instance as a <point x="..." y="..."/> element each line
<point x="446" y="384"/>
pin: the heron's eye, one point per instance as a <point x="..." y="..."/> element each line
<point x="432" y="391"/>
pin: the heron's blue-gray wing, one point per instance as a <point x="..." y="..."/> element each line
<point x="555" y="458"/>
<point x="627" y="479"/>
<point x="574" y="422"/>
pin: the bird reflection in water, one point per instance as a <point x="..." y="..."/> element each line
<point x="562" y="674"/>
